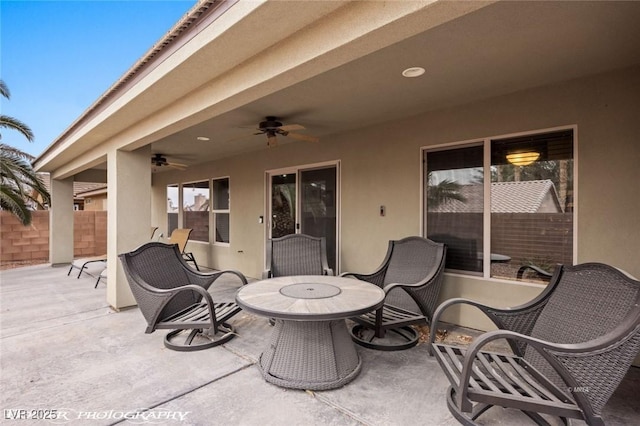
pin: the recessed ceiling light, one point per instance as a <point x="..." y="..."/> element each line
<point x="202" y="138"/>
<point x="413" y="72"/>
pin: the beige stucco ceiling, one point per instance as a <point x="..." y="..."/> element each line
<point x="470" y="51"/>
<point x="499" y="49"/>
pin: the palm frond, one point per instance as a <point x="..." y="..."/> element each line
<point x="15" y="124"/>
<point x="4" y="90"/>
<point x="443" y="192"/>
<point x="9" y="150"/>
<point x="21" y="185"/>
<point x="13" y="201"/>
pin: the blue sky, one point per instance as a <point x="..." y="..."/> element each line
<point x="58" y="57"/>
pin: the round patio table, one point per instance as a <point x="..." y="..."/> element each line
<point x="310" y="346"/>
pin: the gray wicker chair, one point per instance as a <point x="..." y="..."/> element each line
<point x="171" y="295"/>
<point x="411" y="276"/>
<point x="296" y="254"/>
<point x="572" y="345"/>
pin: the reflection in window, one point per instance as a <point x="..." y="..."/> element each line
<point x="454" y="205"/>
<point x="173" y="206"/>
<point x="530" y="208"/>
<point x="195" y="199"/>
<point x="221" y="209"/>
<point x="531" y="203"/>
<point x="283" y="205"/>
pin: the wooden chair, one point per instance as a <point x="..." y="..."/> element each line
<point x="171" y="295"/>
<point x="180" y="236"/>
<point x="411" y="276"/>
<point x="571" y="345"/>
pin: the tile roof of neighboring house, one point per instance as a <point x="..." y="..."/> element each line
<point x="506" y="197"/>
<point x="79" y="188"/>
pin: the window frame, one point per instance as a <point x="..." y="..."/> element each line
<point x="178" y="212"/>
<point x="214" y="211"/>
<point x="182" y="216"/>
<point x="485" y="141"/>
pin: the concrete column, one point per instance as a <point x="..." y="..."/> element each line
<point x="129" y="216"/>
<point x="61" y="222"/>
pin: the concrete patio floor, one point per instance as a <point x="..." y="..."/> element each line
<point x="62" y="348"/>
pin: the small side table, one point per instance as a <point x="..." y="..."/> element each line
<point x="310" y="346"/>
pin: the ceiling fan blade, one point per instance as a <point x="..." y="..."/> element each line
<point x="291" y="127"/>
<point x="178" y="166"/>
<point x="301" y="137"/>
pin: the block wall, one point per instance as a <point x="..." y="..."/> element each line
<point x="20" y="243"/>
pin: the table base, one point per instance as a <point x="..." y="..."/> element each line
<point x="314" y="355"/>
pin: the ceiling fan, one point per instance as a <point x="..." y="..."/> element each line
<point x="272" y="127"/>
<point x="159" y="160"/>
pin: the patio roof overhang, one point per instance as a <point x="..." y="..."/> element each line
<point x="336" y="66"/>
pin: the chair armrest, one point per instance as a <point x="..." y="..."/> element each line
<point x="168" y="294"/>
<point x="444" y="306"/>
<point x="467" y="367"/>
<point x="387" y="288"/>
<point x="233" y="272"/>
<point x="205" y="279"/>
<point x="520" y="319"/>
<point x="375" y="278"/>
<point x="589" y="356"/>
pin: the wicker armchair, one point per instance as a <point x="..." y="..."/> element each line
<point x="171" y="295"/>
<point x="296" y="254"/>
<point x="411" y="276"/>
<point x="572" y="345"/>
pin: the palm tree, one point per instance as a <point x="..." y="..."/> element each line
<point x="442" y="192"/>
<point x="21" y="187"/>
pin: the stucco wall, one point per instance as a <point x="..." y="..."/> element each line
<point x="381" y="165"/>
<point x="96" y="202"/>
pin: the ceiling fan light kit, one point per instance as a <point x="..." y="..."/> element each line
<point x="159" y="160"/>
<point x="272" y="127"/>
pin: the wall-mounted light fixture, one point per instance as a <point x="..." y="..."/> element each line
<point x="522" y="158"/>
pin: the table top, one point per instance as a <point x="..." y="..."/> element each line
<point x="310" y="297"/>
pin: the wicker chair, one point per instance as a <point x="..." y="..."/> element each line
<point x="572" y="345"/>
<point x="171" y="295"/>
<point x="411" y="276"/>
<point x="296" y="254"/>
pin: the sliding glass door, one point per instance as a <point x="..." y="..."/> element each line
<point x="305" y="200"/>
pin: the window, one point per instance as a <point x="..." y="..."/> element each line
<point x="454" y="204"/>
<point x="173" y="207"/>
<point x="221" y="210"/>
<point x="520" y="199"/>
<point x="195" y="199"/>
